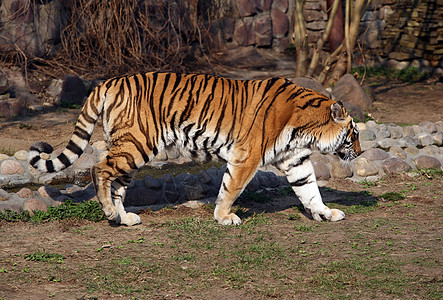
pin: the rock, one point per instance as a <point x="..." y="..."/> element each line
<point x="410" y="141"/>
<point x="281" y="5"/>
<point x="394" y="165"/>
<point x="263" y="31"/>
<point x="140" y="196"/>
<point x="11" y="107"/>
<point x="52" y="177"/>
<point x="247" y="8"/>
<point x="438" y="139"/>
<point x="417" y="129"/>
<point x="152" y="183"/>
<point x="366" y="135"/>
<point x="35" y="204"/>
<point x="383" y="133"/>
<point x="366" y="145"/>
<point x="85" y="161"/>
<point x="427" y="162"/>
<point x="371" y="124"/>
<point x="4" y="195"/>
<point x="193" y="204"/>
<point x="25" y="193"/>
<point x="9" y="167"/>
<point x="396" y="132"/>
<point x="321" y="170"/>
<point x="4" y="86"/>
<point x="375" y="154"/>
<point x="428" y="127"/>
<point x="243" y="32"/>
<point x="348" y="90"/>
<point x="408" y="131"/>
<point x="311" y="84"/>
<point x="195" y="192"/>
<point x="49" y="192"/>
<point x="204" y="177"/>
<point x="431" y="150"/>
<point x="73" y="90"/>
<point x="412" y="150"/>
<point x="54" y="89"/>
<point x="388" y="143"/>
<point x="399" y="152"/>
<point x="364" y="167"/>
<point x="425" y="139"/>
<point x="280" y="23"/>
<point x="21" y="155"/>
<point x="3" y="156"/>
<point x="339" y="170"/>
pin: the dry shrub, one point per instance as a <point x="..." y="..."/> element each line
<point x="108" y="38"/>
<point x="125" y="36"/>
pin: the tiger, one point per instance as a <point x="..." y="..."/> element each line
<point x="247" y="123"/>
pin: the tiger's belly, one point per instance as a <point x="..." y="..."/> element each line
<point x="203" y="147"/>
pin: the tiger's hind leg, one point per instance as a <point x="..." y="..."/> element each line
<point x="113" y="173"/>
<point x="118" y="192"/>
<point x="300" y="174"/>
<point x="239" y="171"/>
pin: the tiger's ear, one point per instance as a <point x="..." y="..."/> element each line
<point x="337" y="112"/>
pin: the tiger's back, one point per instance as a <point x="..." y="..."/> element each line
<point x="247" y="123"/>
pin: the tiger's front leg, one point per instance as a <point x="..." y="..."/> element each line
<point x="301" y="176"/>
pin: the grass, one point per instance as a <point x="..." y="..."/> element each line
<point x="43" y="256"/>
<point x="89" y="210"/>
<point x="409" y="74"/>
<point x="380" y="251"/>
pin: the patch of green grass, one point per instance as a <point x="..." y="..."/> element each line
<point x="409" y="74"/>
<point x="69" y="105"/>
<point x="89" y="210"/>
<point x="304" y="228"/>
<point x="8" y="151"/>
<point x="430" y="173"/>
<point x="22" y="125"/>
<point x="45" y="257"/>
<point x="368" y="183"/>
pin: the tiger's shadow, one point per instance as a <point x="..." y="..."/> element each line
<point x="282" y="199"/>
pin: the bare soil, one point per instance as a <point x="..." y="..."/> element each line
<point x="383" y="249"/>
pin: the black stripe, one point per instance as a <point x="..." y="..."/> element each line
<point x="64" y="159"/>
<point x="301" y="182"/>
<point x="74" y="148"/>
<point x="81" y="133"/>
<point x="50" y="166"/>
<point x="34" y="160"/>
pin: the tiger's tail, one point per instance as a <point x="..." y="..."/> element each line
<point x="78" y="142"/>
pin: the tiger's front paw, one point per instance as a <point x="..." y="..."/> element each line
<point x="231" y="219"/>
<point x="327" y="214"/>
<point x="337" y="215"/>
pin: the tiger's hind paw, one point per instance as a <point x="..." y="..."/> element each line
<point x="110" y="213"/>
<point x="130" y="219"/>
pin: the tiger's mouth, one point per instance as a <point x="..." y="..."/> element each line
<point x="347" y="153"/>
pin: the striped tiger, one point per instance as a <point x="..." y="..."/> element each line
<point x="248" y="123"/>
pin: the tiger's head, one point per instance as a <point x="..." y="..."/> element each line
<point x="349" y="145"/>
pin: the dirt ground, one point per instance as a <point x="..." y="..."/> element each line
<point x="384" y="248"/>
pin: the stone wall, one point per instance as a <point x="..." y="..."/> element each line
<point x="400" y="33"/>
